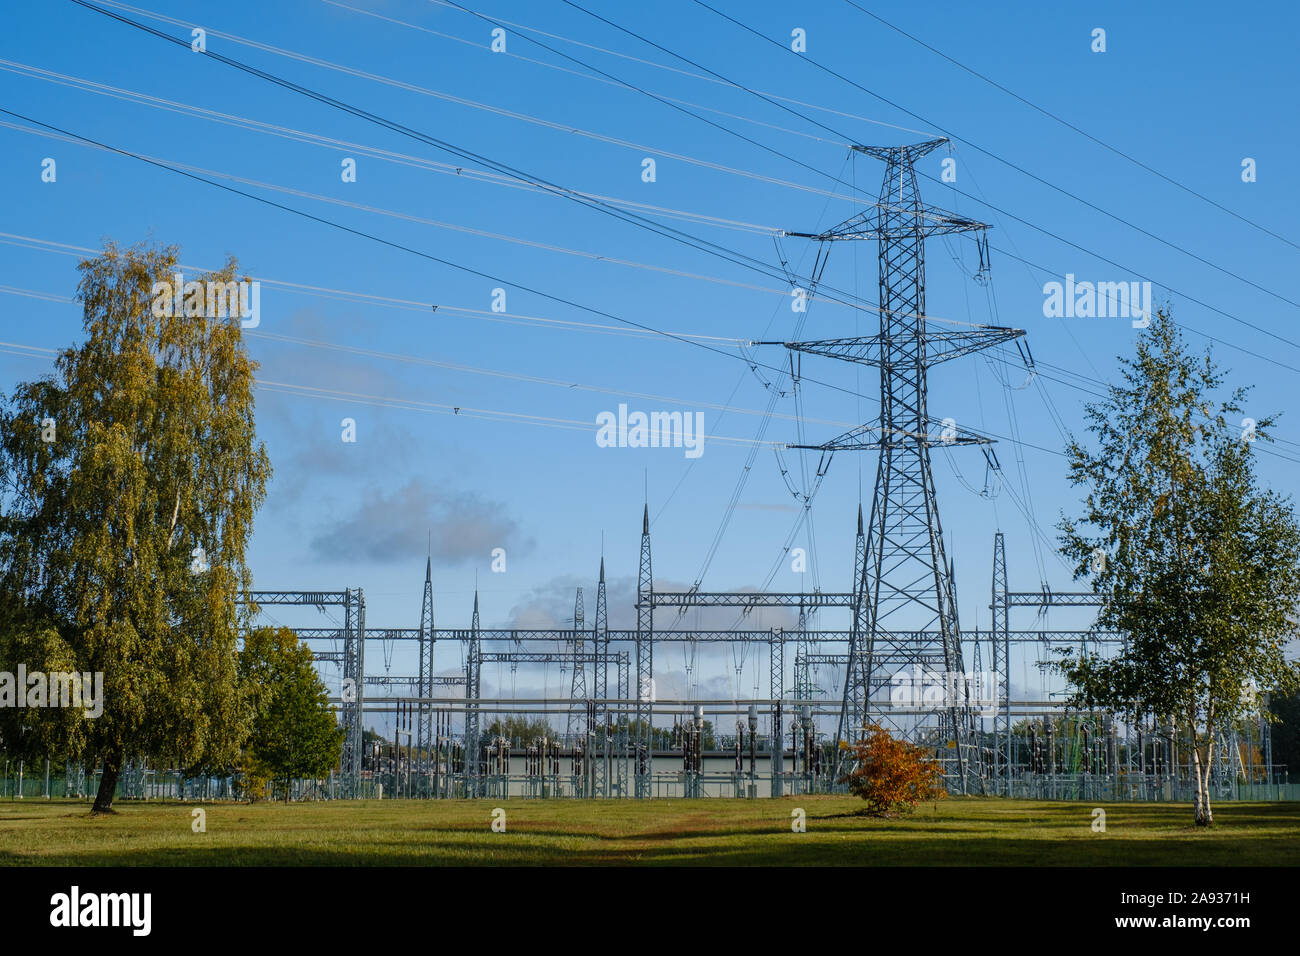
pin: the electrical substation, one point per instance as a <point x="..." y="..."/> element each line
<point x="891" y="663"/>
<point x="898" y="658"/>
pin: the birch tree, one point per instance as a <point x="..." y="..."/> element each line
<point x="124" y="525"/>
<point x="1198" y="564"/>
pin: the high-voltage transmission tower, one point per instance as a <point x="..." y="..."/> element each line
<point x="906" y="573"/>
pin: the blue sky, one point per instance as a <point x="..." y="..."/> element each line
<point x="1190" y="95"/>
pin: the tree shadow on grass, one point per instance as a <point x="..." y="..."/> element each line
<point x="796" y="851"/>
<point x="1247" y="834"/>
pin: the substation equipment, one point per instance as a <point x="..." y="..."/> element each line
<point x="901" y="606"/>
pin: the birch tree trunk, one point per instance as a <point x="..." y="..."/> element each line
<point x="1209" y="762"/>
<point x="1198" y="793"/>
<point x="1208" y="814"/>
<point x="1202" y="761"/>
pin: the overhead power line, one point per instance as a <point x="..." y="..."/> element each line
<point x="982" y="201"/>
<point x="1036" y="178"/>
<point x="829" y="291"/>
<point x="753" y="363"/>
<point x="364" y="114"/>
<point x="672" y="69"/>
<point x="384" y="155"/>
<point x="715" y="249"/>
<point x="605" y="208"/>
<point x="578" y="73"/>
<point x="481" y="233"/>
<point x="1066" y="123"/>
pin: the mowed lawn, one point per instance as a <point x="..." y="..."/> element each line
<point x="961" y="831"/>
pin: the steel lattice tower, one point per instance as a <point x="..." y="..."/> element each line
<point x="600" y="640"/>
<point x="424" y="721"/>
<point x="905" y="579"/>
<point x="353" y="690"/>
<point x="1002" y="761"/>
<point x="642" y="735"/>
<point x="776" y="690"/>
<point x="578" y="684"/>
<point x="473" y="691"/>
<point x="803" y="647"/>
<point x="600" y="637"/>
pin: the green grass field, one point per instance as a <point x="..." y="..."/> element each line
<point x="970" y="831"/>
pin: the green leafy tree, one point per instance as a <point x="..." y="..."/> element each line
<point x="294" y="731"/>
<point x="1199" y="566"/>
<point x="129" y="481"/>
<point x="29" y="733"/>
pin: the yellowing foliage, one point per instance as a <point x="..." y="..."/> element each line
<point x="892" y="776"/>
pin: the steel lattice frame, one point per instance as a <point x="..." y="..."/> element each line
<point x="802" y="681"/>
<point x="354" y="669"/>
<point x="1002" y="759"/>
<point x="1003" y="636"/>
<point x="578" y="683"/>
<point x="621" y="743"/>
<point x="600" y="689"/>
<point x="853" y="709"/>
<point x="353" y="602"/>
<point x="473" y="691"/>
<point x="776" y="687"/>
<point x="611" y="779"/>
<point x="906" y="571"/>
<point x="642" y="736"/>
<point x="424" y="719"/>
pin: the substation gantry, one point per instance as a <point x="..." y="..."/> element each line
<point x="902" y="603"/>
<point x="608" y="710"/>
<point x="900" y="567"/>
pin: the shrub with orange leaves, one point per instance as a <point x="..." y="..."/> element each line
<point x="892" y="776"/>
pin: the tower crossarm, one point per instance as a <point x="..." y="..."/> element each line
<point x="897" y="215"/>
<point x="941" y="434"/>
<point x="941" y="346"/>
<point x="746" y="599"/>
<point x="923" y="221"/>
<point x="947" y="345"/>
<point x="391" y="680"/>
<point x="537" y="657"/>
<point x="309" y="598"/>
<point x="1048" y="598"/>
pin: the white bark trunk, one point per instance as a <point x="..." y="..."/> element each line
<point x="1205" y="802"/>
<point x="1207" y="816"/>
<point x="171" y="538"/>
<point x="1198" y="792"/>
<point x="1202" y="761"/>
